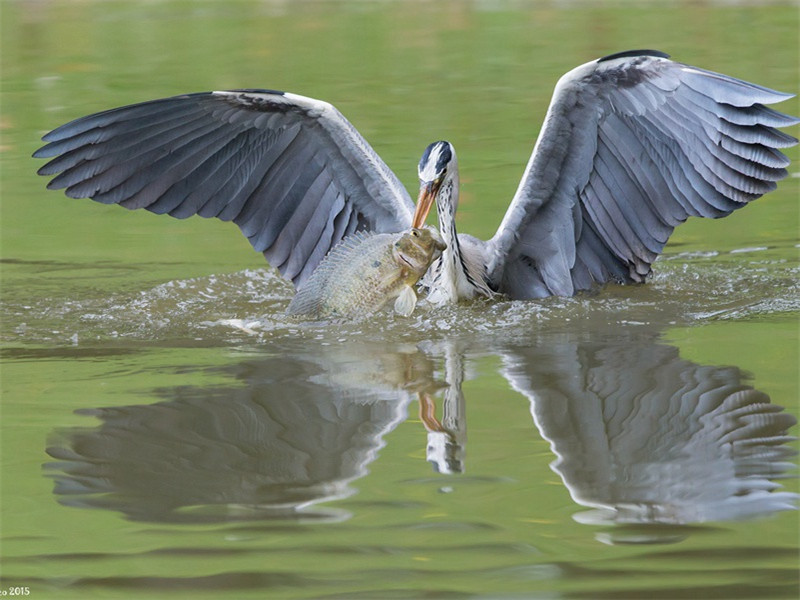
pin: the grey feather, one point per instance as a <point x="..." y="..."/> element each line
<point x="632" y="145"/>
<point x="291" y="172"/>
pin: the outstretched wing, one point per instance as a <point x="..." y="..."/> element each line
<point x="632" y="145"/>
<point x="290" y="171"/>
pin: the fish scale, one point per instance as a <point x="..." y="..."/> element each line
<point x="364" y="272"/>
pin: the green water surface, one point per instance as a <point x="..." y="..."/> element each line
<point x="166" y="433"/>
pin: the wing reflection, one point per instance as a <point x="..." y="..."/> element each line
<point x="293" y="430"/>
<point x="643" y="436"/>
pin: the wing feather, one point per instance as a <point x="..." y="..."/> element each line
<point x="633" y="145"/>
<point x="154" y="173"/>
<point x="641" y="226"/>
<point x="117" y="147"/>
<point x="290" y="171"/>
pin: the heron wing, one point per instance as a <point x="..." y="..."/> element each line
<point x="290" y="171"/>
<point x="632" y="145"/>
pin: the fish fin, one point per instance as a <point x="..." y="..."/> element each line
<point x="346" y="251"/>
<point x="305" y="303"/>
<point x="352" y="243"/>
<point x="406" y="302"/>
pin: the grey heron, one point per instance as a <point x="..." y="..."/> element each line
<point x="632" y="145"/>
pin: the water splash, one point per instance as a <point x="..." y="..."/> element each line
<point x="249" y="307"/>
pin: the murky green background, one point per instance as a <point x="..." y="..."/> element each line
<point x="166" y="433"/>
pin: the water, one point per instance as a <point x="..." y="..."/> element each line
<point x="166" y="432"/>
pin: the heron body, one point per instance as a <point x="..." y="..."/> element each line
<point x="632" y="145"/>
<point x="460" y="272"/>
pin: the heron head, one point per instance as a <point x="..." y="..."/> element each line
<point x="437" y="165"/>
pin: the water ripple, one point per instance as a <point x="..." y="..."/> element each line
<point x="248" y="307"/>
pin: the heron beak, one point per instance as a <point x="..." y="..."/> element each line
<point x="427" y="194"/>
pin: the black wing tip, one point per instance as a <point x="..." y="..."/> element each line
<point x="257" y="91"/>
<point x="631" y="53"/>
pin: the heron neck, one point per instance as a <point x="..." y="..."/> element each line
<point x="453" y="281"/>
<point x="446" y="203"/>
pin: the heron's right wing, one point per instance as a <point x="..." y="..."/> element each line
<point x="632" y="145"/>
<point x="290" y="171"/>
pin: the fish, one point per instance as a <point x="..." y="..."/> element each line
<point x="365" y="271"/>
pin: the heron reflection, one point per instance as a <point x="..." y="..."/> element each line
<point x="447" y="437"/>
<point x="641" y="436"/>
<point x="287" y="432"/>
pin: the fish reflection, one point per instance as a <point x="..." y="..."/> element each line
<point x="644" y="437"/>
<point x="291" y="432"/>
<point x="641" y="436"/>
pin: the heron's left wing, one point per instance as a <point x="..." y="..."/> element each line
<point x="290" y="171"/>
<point x="632" y="145"/>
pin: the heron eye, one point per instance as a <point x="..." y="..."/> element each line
<point x="415" y="232"/>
